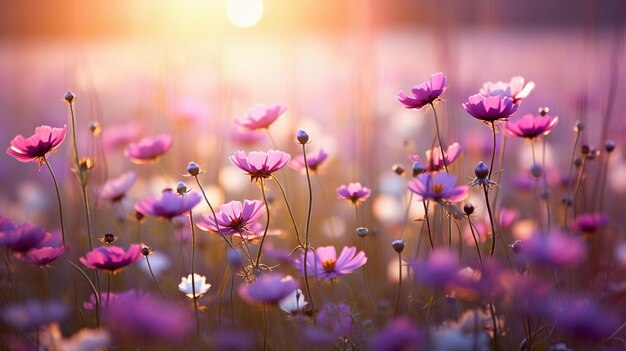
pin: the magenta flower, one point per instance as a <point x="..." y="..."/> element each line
<point x="424" y="93"/>
<point x="260" y="116"/>
<point x="120" y="135"/>
<point x="108" y="299"/>
<point x="515" y="89"/>
<point x="530" y="126"/>
<point x="314" y="160"/>
<point x="148" y="150"/>
<point x="115" y="189"/>
<point x="590" y="222"/>
<point x="23" y="238"/>
<point x="554" y="248"/>
<point x="332" y="322"/>
<point x="234" y="217"/>
<point x="490" y="108"/>
<point x="326" y="265"/>
<point x="270" y="288"/>
<point x="353" y="192"/>
<point x="169" y="205"/>
<point x="258" y="164"/>
<point x="34" y="148"/>
<point x="433" y="157"/>
<point x="439" y="186"/>
<point x="111" y="258"/>
<point x="42" y="255"/>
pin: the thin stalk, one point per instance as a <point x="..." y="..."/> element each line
<point x="443" y="157"/>
<point x="307" y="228"/>
<point x="430" y="236"/>
<point x="56" y="187"/>
<point x="106" y="308"/>
<point x="267" y="224"/>
<point x="206" y="199"/>
<point x="495" y="326"/>
<point x="493" y="153"/>
<point x="395" y="311"/>
<point x="293" y="221"/>
<point x="155" y="281"/>
<point x="480" y="259"/>
<point x="93" y="290"/>
<point x="368" y="291"/>
<point x="493" y="228"/>
<point x="571" y="173"/>
<point x="264" y="326"/>
<point x="193" y="273"/>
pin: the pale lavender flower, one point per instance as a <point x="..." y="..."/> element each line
<point x="491" y="108"/>
<point x="434" y="162"/>
<point x="425" y="93"/>
<point x="314" y="160"/>
<point x="353" y="192"/>
<point x="554" y="248"/>
<point x="115" y="189"/>
<point x="590" y="222"/>
<point x="33" y="314"/>
<point x="169" y="204"/>
<point x="515" y="89"/>
<point x="260" y="116"/>
<point x="270" y="288"/>
<point x="258" y="164"/>
<point x="148" y="150"/>
<point x="233" y="217"/>
<point x="326" y="265"/>
<point x="399" y="335"/>
<point x="439" y="186"/>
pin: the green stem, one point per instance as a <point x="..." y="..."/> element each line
<point x="93" y="290"/>
<point x="443" y="157"/>
<point x="395" y="311"/>
<point x="155" y="281"/>
<point x="193" y="273"/>
<point x="293" y="221"/>
<point x="56" y="187"/>
<point x="493" y="153"/>
<point x="267" y="224"/>
<point x="307" y="228"/>
<point x="493" y="229"/>
<point x="480" y="259"/>
<point x="430" y="236"/>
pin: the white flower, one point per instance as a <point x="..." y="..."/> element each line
<point x="293" y="303"/>
<point x="199" y="282"/>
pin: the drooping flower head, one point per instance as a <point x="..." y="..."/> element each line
<point x="115" y="189"/>
<point x="169" y="204"/>
<point x="325" y="264"/>
<point x="234" y="217"/>
<point x="530" y="126"/>
<point x="270" y="288"/>
<point x="260" y="116"/>
<point x="111" y="258"/>
<point x="516" y="89"/>
<point x="314" y="160"/>
<point x="439" y="186"/>
<point x="258" y="164"/>
<point x="199" y="283"/>
<point x="24" y="237"/>
<point x="490" y="108"/>
<point x="34" y="148"/>
<point x="353" y="192"/>
<point x="434" y="162"/>
<point x="148" y="150"/>
<point x="425" y="93"/>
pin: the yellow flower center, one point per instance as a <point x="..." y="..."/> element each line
<point x="437" y="188"/>
<point x="329" y="265"/>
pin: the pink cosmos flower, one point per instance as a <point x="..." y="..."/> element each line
<point x="246" y="138"/>
<point x="111" y="258"/>
<point x="314" y="160"/>
<point x="437" y="187"/>
<point x="424" y="93"/>
<point x="325" y="264"/>
<point x="530" y="126"/>
<point x="590" y="222"/>
<point x="48" y="250"/>
<point x="515" y="89"/>
<point x="270" y="288"/>
<point x="353" y="192"/>
<point x="258" y="164"/>
<point x="433" y="157"/>
<point x="115" y="189"/>
<point x="34" y="148"/>
<point x="169" y="205"/>
<point x="24" y="237"/>
<point x="234" y="217"/>
<point x="490" y="108"/>
<point x="120" y="135"/>
<point x="148" y="150"/>
<point x="260" y="116"/>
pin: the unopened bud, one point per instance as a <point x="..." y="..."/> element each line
<point x="69" y="96"/>
<point x="418" y="169"/>
<point x="579" y="127"/>
<point x="398" y="169"/>
<point x="585" y="149"/>
<point x="578" y="162"/>
<point x="481" y="171"/>
<point x="536" y="170"/>
<point x="146" y="251"/>
<point x="193" y="169"/>
<point x="398" y="245"/>
<point x="181" y="188"/>
<point x="302" y="136"/>
<point x="468" y="208"/>
<point x="544" y="111"/>
<point x="609" y="146"/>
<point x="362" y="232"/>
<point x="94" y="128"/>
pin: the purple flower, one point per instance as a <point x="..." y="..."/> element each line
<point x="6" y="227"/>
<point x="42" y="255"/>
<point x="353" y="192"/>
<point x="515" y="89"/>
<point x="439" y="186"/>
<point x="314" y="160"/>
<point x="554" y="248"/>
<point x="169" y="204"/>
<point x="233" y="340"/>
<point x="33" y="313"/>
<point x="399" y="335"/>
<point x="25" y="237"/>
<point x="258" y="164"/>
<point x="332" y="322"/>
<point x="34" y="148"/>
<point x="115" y="189"/>
<point x="439" y="270"/>
<point x="111" y="258"/>
<point x="246" y="138"/>
<point x="590" y="222"/>
<point x="584" y="319"/>
<point x="260" y="116"/>
<point x="120" y="135"/>
<point x="425" y="93"/>
<point x="490" y="108"/>
<point x="270" y="288"/>
<point x="111" y="298"/>
<point x="326" y="265"/>
<point x="530" y="126"/>
<point x="148" y="150"/>
<point x="234" y="217"/>
<point x="433" y="157"/>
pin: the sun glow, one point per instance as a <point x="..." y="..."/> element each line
<point x="244" y="13"/>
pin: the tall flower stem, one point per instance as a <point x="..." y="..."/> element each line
<point x="493" y="153"/>
<point x="443" y="157"/>
<point x="293" y="221"/>
<point x="154" y="279"/>
<point x="106" y="308"/>
<point x="430" y="236"/>
<point x="267" y="224"/>
<point x="494" y="320"/>
<point x="493" y="229"/>
<point x="571" y="173"/>
<point x="307" y="243"/>
<point x="56" y="187"/>
<point x="193" y="273"/>
<point x="217" y="225"/>
<point x="480" y="259"/>
<point x="94" y="291"/>
<point x="395" y="311"/>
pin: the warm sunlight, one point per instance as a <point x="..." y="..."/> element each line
<point x="245" y="13"/>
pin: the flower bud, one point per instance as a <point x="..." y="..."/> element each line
<point x="579" y="127"/>
<point x="193" y="169"/>
<point x="398" y="245"/>
<point x="609" y="146"/>
<point x="517" y="246"/>
<point x="69" y="96"/>
<point x="585" y="149"/>
<point x="468" y="208"/>
<point x="398" y="169"/>
<point x="146" y="251"/>
<point x="139" y="216"/>
<point x="536" y="170"/>
<point x="302" y="136"/>
<point x="108" y="238"/>
<point x="544" y="111"/>
<point x="578" y="162"/>
<point x="181" y="188"/>
<point x="362" y="232"/>
<point x="481" y="171"/>
<point x="95" y="128"/>
<point x="234" y="257"/>
<point x="418" y="169"/>
<point x="86" y="164"/>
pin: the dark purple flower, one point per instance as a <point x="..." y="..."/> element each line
<point x="258" y="164"/>
<point x="433" y="157"/>
<point x="270" y="288"/>
<point x="115" y="189"/>
<point x="491" y="108"/>
<point x="260" y="116"/>
<point x="148" y="150"/>
<point x="353" y="192"/>
<point x="584" y="319"/>
<point x="25" y="237"/>
<point x="554" y="248"/>
<point x="439" y="186"/>
<point x="530" y="126"/>
<point x="234" y="217"/>
<point x="314" y="160"/>
<point x="6" y="227"/>
<point x="399" y="335"/>
<point x="590" y="222"/>
<point x="111" y="258"/>
<point x="34" y="148"/>
<point x="33" y="314"/>
<point x="425" y="93"/>
<point x="169" y="204"/>
<point x="515" y="89"/>
<point x="326" y="265"/>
